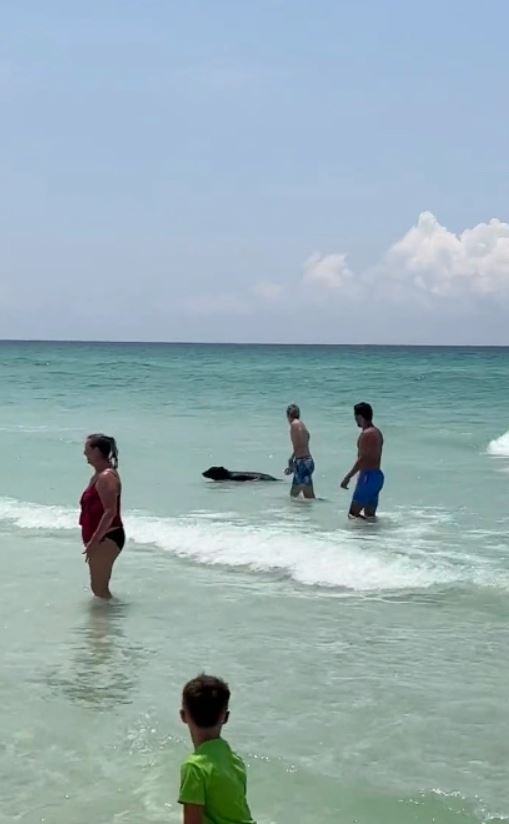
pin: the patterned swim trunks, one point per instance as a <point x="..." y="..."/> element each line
<point x="303" y="469"/>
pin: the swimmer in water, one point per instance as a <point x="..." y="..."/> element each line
<point x="300" y="464"/>
<point x="100" y="520"/>
<point x="368" y="465"/>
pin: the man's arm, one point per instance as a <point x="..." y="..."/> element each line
<point x="293" y="437"/>
<point x="369" y="446"/>
<point x="193" y="814"/>
<point x="355" y="468"/>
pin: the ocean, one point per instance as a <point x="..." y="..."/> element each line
<point x="368" y="662"/>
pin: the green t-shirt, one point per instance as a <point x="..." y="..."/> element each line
<point x="214" y="777"/>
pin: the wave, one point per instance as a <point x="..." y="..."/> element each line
<point x="499" y="446"/>
<point x="360" y="558"/>
<point x="26" y="515"/>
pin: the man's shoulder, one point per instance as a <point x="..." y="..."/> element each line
<point x="371" y="434"/>
<point x="299" y="426"/>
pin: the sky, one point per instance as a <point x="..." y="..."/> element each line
<point x="255" y="171"/>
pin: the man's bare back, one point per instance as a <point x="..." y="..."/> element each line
<point x="300" y="438"/>
<point x="369" y="448"/>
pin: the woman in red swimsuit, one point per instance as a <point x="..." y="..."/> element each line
<point x="101" y="524"/>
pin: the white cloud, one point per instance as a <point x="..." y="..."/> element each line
<point x="327" y="271"/>
<point x="428" y="262"/>
<point x="431" y="285"/>
<point x="267" y="290"/>
<point x="431" y="259"/>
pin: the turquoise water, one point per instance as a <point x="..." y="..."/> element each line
<point x="368" y="663"/>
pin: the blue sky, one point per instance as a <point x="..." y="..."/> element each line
<point x="255" y="171"/>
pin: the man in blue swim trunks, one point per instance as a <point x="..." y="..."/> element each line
<point x="371" y="478"/>
<point x="301" y="464"/>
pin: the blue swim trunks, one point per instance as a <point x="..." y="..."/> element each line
<point x="303" y="469"/>
<point x="369" y="486"/>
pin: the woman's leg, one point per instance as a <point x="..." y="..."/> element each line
<point x="101" y="563"/>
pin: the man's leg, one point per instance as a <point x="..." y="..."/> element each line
<point x="307" y="479"/>
<point x="358" y="502"/>
<point x="308" y="491"/>
<point x="355" y="510"/>
<point x="372" y="504"/>
<point x="371" y="508"/>
<point x="297" y="486"/>
<point x="370" y="511"/>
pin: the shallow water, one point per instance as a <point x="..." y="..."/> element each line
<point x="368" y="663"/>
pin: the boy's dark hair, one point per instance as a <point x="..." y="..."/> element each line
<point x="206" y="699"/>
<point x="365" y="410"/>
<point x="293" y="412"/>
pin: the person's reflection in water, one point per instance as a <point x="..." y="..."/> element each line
<point x="103" y="662"/>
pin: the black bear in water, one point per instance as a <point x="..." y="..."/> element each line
<point x="219" y="473"/>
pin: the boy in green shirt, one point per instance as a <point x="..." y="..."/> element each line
<point x="213" y="778"/>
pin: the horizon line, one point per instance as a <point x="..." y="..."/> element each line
<point x="99" y="342"/>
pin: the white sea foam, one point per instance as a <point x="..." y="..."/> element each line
<point x="361" y="557"/>
<point x="26" y="515"/>
<point x="499" y="446"/>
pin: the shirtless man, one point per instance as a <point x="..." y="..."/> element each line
<point x="371" y="477"/>
<point x="301" y="464"/>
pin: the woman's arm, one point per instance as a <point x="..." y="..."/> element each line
<point x="107" y="486"/>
